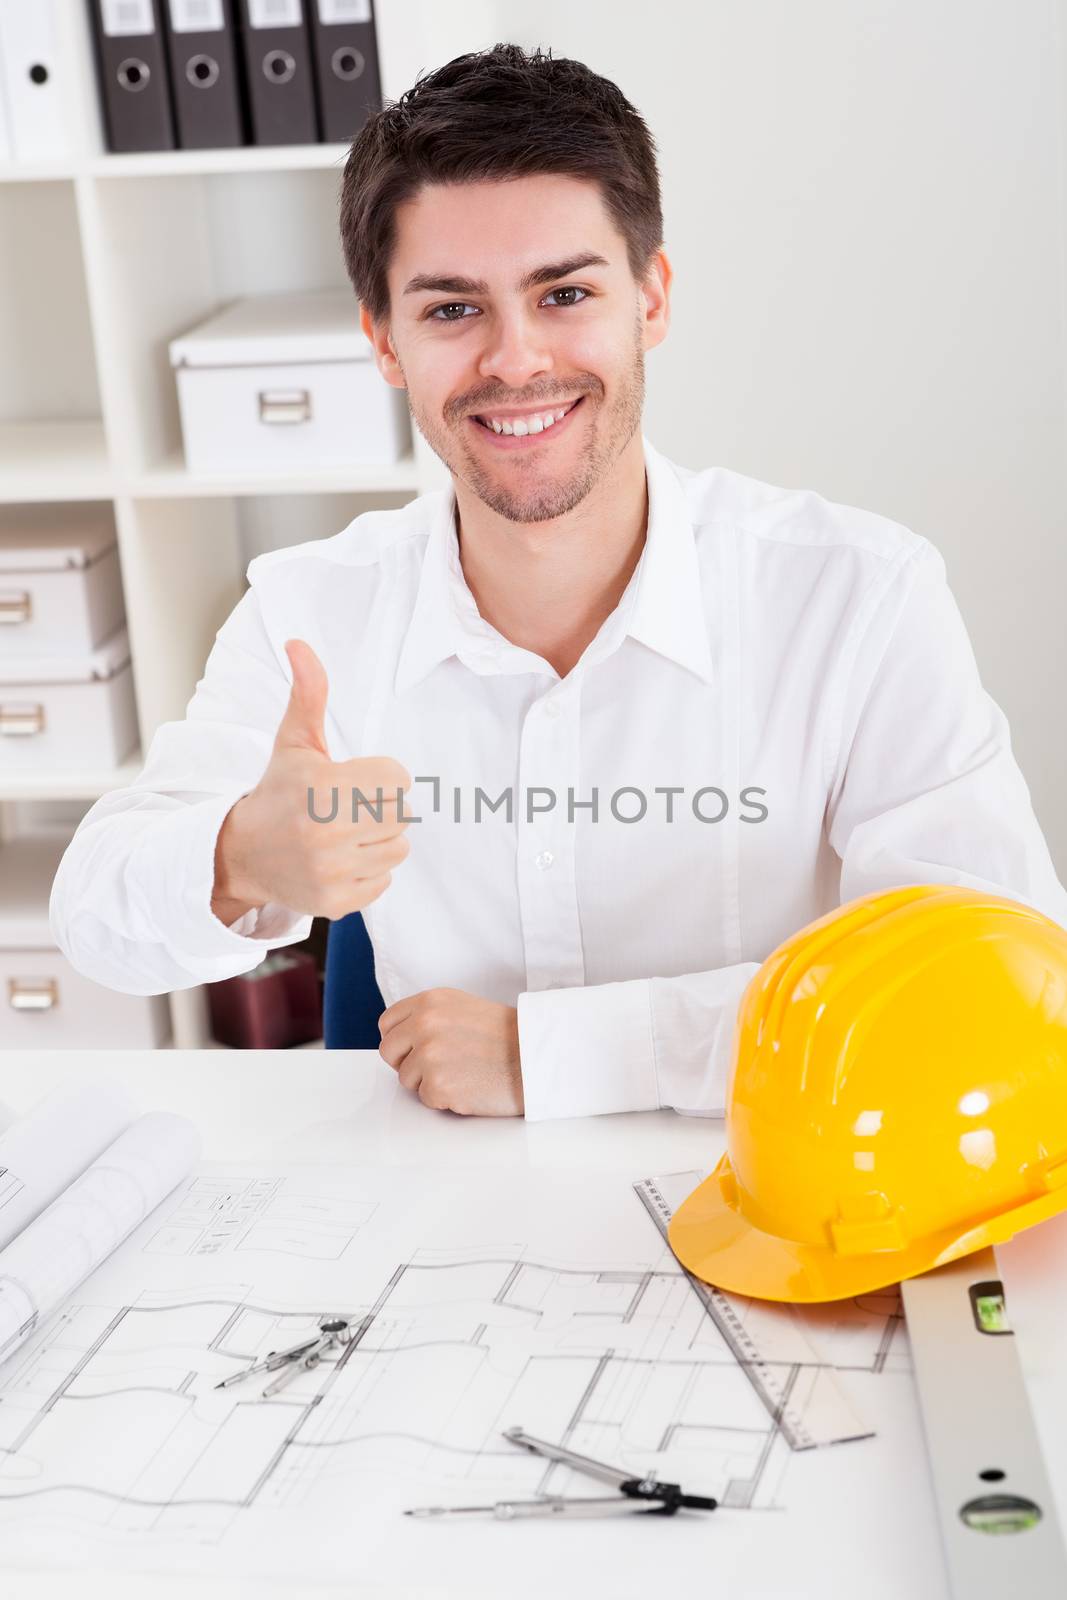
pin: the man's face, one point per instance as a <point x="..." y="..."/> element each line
<point x="470" y="340"/>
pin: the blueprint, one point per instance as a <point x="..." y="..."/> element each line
<point x="479" y="1300"/>
<point x="59" y="1248"/>
<point x="43" y="1153"/>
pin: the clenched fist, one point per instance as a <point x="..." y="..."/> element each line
<point x="456" y="1051"/>
<point x="270" y="847"/>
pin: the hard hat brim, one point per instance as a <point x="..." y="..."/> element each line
<point x="716" y="1243"/>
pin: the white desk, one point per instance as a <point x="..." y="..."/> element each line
<point x="344" y="1107"/>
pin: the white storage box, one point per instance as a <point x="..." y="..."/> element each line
<point x="58" y="713"/>
<point x="60" y="589"/>
<point x="279" y="383"/>
<point x="44" y="1003"/>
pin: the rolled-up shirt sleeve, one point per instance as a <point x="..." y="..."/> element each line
<point x="130" y="905"/>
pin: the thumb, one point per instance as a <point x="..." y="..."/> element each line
<point x="303" y="725"/>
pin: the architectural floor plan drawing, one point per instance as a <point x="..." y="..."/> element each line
<point x="259" y="1215"/>
<point x="474" y="1302"/>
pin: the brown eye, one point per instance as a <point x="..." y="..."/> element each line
<point x="453" y="305"/>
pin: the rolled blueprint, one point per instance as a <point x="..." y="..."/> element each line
<point x="43" y="1152"/>
<point x="57" y="1251"/>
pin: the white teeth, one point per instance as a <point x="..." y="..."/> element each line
<point x="520" y="426"/>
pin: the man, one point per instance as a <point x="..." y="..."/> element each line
<point x="650" y="721"/>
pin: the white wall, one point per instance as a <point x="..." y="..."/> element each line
<point x="864" y="208"/>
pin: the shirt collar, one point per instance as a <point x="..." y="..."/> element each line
<point x="662" y="605"/>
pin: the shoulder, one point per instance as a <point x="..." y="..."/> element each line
<point x="374" y="542"/>
<point x="774" y="523"/>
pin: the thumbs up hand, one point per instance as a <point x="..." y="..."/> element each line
<point x="270" y="847"/>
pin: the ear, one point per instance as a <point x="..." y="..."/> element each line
<point x="655" y="304"/>
<point x="384" y="355"/>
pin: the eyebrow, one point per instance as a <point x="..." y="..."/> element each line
<point x="530" y="280"/>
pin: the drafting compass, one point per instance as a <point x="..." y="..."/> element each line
<point x="634" y="1494"/>
<point x="299" y="1358"/>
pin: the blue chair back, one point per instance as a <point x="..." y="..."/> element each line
<point x="351" y="1001"/>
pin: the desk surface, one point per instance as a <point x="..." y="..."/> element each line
<point x="346" y="1107"/>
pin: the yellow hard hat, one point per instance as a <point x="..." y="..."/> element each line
<point x="897" y="1097"/>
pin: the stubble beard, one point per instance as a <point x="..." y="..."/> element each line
<point x="540" y="498"/>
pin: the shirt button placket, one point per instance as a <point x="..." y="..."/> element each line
<point x="548" y="907"/>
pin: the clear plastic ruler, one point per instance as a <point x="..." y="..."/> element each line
<point x="793" y="1379"/>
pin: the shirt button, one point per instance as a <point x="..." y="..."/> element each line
<point x="545" y="859"/>
<point x="551" y="708"/>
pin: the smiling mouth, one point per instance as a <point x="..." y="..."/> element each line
<point x="545" y="421"/>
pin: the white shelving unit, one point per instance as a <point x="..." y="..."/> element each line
<point x="104" y="259"/>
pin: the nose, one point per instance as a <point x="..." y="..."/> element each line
<point x="516" y="349"/>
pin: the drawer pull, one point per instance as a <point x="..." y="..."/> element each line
<point x="33" y="994"/>
<point x="20" y="720"/>
<point x="16" y="605"/>
<point x="284" y="405"/>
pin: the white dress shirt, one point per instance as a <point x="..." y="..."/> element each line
<point x="769" y="641"/>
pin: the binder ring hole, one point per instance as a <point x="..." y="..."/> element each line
<point x="133" y="74"/>
<point x="347" y="63"/>
<point x="38" y="73"/>
<point x="202" y="71"/>
<point x="279" y="66"/>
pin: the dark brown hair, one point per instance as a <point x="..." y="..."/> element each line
<point x="496" y="114"/>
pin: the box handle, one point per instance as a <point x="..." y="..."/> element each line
<point x="32" y="994"/>
<point x="284" y="405"/>
<point x="16" y="605"/>
<point x="20" y="720"/>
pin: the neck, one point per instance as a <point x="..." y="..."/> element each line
<point x="549" y="586"/>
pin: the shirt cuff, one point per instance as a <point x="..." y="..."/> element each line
<point x="587" y="1050"/>
<point x="270" y="921"/>
<point x="173" y="869"/>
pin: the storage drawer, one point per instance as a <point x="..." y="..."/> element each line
<point x="58" y="713"/>
<point x="45" y="1004"/>
<point x="285" y="382"/>
<point x="60" y="584"/>
<point x="286" y="419"/>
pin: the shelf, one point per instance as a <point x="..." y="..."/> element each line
<point x="54" y="461"/>
<point x="169" y="163"/>
<point x="170" y="480"/>
<point x="80" y="783"/>
<point x="36" y="172"/>
<point x="244" y="158"/>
